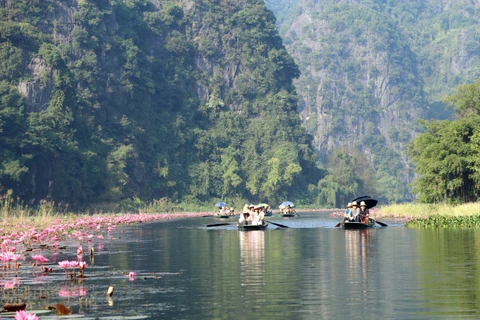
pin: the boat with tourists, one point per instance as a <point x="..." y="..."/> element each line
<point x="287" y="210"/>
<point x="224" y="212"/>
<point x="357" y="214"/>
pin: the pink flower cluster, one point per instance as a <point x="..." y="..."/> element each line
<point x="22" y="315"/>
<point x="39" y="259"/>
<point x="65" y="264"/>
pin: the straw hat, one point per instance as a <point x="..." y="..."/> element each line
<point x="251" y="206"/>
<point x="362" y="204"/>
<point x="349" y="205"/>
<point x="245" y="208"/>
<point x="354" y="203"/>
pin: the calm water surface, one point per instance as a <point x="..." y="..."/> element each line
<point x="309" y="271"/>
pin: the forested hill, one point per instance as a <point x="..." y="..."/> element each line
<point x="102" y="100"/>
<point x="369" y="70"/>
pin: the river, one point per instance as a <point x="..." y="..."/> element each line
<point x="308" y="271"/>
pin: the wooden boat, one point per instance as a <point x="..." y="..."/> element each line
<point x="249" y="227"/>
<point x="358" y="225"/>
<point x="287" y="215"/>
<point x="223" y="216"/>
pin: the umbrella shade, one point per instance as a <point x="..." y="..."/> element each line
<point x="368" y="201"/>
<point x="281" y="206"/>
<point x="263" y="205"/>
<point x="362" y="198"/>
<point x="287" y="203"/>
<point x="220" y="204"/>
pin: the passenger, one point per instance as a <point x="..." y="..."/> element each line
<point x="245" y="218"/>
<point x="253" y="213"/>
<point x="268" y="210"/>
<point x="364" y="213"/>
<point x="347" y="212"/>
<point x="288" y="210"/>
<point x="259" y="216"/>
<point x="355" y="212"/>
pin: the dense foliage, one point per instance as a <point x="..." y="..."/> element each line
<point x="146" y="100"/>
<point x="447" y="154"/>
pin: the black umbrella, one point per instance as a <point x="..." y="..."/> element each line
<point x="369" y="202"/>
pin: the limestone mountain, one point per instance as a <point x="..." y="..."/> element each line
<point x="369" y="70"/>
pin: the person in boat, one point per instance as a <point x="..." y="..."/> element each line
<point x="288" y="210"/>
<point x="347" y="212"/>
<point x="259" y="216"/>
<point x="253" y="213"/>
<point x="355" y="212"/>
<point x="245" y="217"/>
<point x="223" y="211"/>
<point x="268" y="210"/>
<point x="364" y="213"/>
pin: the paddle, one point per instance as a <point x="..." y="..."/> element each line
<point x="277" y="224"/>
<point x="217" y="225"/>
<point x="338" y="224"/>
<point x="380" y="223"/>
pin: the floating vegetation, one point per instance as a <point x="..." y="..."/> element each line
<point x="441" y="221"/>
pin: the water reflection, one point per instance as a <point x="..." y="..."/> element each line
<point x="358" y="262"/>
<point x="252" y="258"/>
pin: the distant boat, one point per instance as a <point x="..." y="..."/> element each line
<point x="287" y="215"/>
<point x="222" y="216"/>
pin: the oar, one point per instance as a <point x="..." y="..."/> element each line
<point x="338" y="224"/>
<point x="277" y="224"/>
<point x="217" y="225"/>
<point x="380" y="223"/>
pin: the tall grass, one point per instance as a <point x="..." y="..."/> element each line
<point x="421" y="210"/>
<point x="15" y="213"/>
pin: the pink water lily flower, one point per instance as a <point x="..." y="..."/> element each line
<point x="132" y="275"/>
<point x="22" y="315"/>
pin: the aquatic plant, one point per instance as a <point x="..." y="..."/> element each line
<point x="442" y="221"/>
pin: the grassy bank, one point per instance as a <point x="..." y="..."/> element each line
<point x="421" y="210"/>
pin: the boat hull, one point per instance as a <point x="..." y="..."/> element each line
<point x="358" y="225"/>
<point x="288" y="215"/>
<point x="251" y="227"/>
<point x="223" y="217"/>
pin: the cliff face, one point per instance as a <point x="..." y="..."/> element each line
<point x="148" y="99"/>
<point x="370" y="69"/>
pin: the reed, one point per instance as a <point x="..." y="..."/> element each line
<point x="421" y="210"/>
